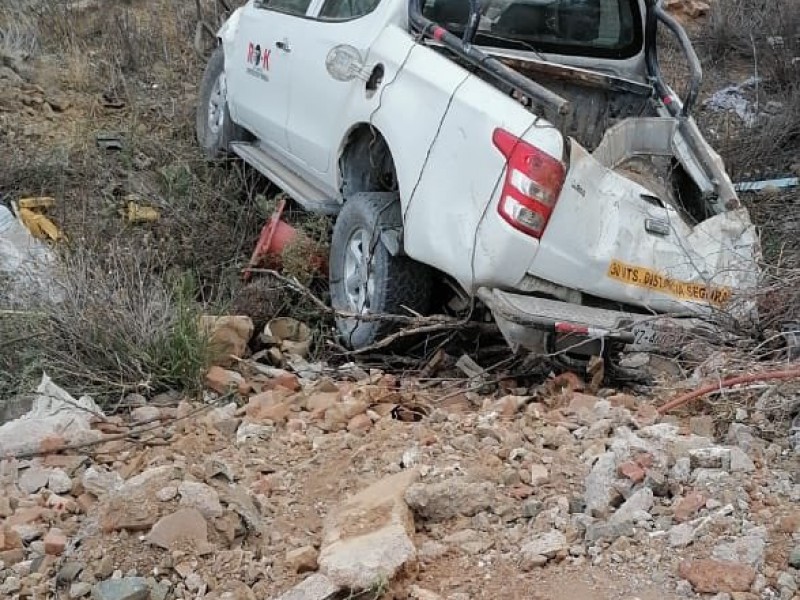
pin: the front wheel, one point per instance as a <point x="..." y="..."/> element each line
<point x="365" y="278"/>
<point x="215" y="129"/>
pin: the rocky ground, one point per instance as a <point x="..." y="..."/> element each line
<point x="366" y="485"/>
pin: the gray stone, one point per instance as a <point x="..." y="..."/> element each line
<point x="744" y="437"/>
<point x="447" y="499"/>
<point x="787" y="581"/>
<point x="681" y="535"/>
<point x="741" y="462"/>
<point x="608" y="531"/>
<point x="657" y="481"/>
<point x="710" y="458"/>
<point x="167" y="493"/>
<point x="794" y="557"/>
<point x="682" y="470"/>
<point x="33" y="479"/>
<point x="546" y="544"/>
<point x="99" y="482"/>
<point x="369" y="537"/>
<point x="159" y="591"/>
<point x="202" y="497"/>
<point x="59" y="482"/>
<point x="632" y="510"/>
<point x="126" y="588"/>
<point x="10" y="586"/>
<point x="69" y="572"/>
<point x="748" y="549"/>
<point x="185" y="525"/>
<point x="531" y="507"/>
<point x="79" y="589"/>
<point x="146" y="414"/>
<point x="600" y="485"/>
<point x="316" y="587"/>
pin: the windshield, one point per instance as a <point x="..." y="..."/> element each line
<point x="596" y="28"/>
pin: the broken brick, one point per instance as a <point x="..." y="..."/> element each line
<point x="55" y="542"/>
<point x="686" y="507"/>
<point x="630" y="470"/>
<point x="222" y="380"/>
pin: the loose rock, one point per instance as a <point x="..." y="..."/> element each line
<point x="713" y="576"/>
<point x="126" y="588"/>
<point x="369" y="537"/>
<point x="447" y="499"/>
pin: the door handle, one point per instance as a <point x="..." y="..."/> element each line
<point x="283" y="45"/>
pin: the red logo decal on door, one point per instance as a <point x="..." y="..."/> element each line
<point x="258" y="57"/>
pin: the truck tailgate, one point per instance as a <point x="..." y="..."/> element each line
<point x="609" y="237"/>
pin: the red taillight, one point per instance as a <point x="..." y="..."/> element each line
<point x="533" y="183"/>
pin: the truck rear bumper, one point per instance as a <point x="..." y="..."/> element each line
<point x="526" y="321"/>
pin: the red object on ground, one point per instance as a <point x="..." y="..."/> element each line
<point x="730" y="382"/>
<point x="275" y="236"/>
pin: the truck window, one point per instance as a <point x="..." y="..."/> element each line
<point x="597" y="28"/>
<point x="292" y="7"/>
<point x="344" y="10"/>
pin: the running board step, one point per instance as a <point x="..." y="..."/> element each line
<point x="304" y="193"/>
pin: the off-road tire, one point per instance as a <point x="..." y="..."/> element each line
<point x="400" y="283"/>
<point x="215" y="144"/>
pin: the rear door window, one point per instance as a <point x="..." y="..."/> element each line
<point x="597" y="28"/>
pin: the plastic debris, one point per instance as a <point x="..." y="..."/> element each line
<point x="757" y="186"/>
<point x="31" y="214"/>
<point x="289" y="335"/>
<point x="25" y="261"/>
<point x="136" y="213"/>
<point x="732" y="98"/>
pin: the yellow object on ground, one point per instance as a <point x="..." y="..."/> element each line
<point x="38" y="224"/>
<point x="137" y="213"/>
<point x="41" y="202"/>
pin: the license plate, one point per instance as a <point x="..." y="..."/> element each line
<point x="647" y="336"/>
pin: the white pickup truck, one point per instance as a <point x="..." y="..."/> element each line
<point x="527" y="151"/>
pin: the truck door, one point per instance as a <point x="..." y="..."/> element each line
<point x="340" y="33"/>
<point x="259" y="67"/>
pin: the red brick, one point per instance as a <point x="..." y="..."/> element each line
<point x="644" y="460"/>
<point x="686" y="507"/>
<point x="12" y="557"/>
<point x="630" y="470"/>
<point x="24" y="516"/>
<point x="9" y="539"/>
<point x="289" y="381"/>
<point x="86" y="502"/>
<point x="790" y="523"/>
<point x="716" y="576"/>
<point x="55" y="542"/>
<point x="51" y="443"/>
<point x="222" y="380"/>
<point x="359" y="424"/>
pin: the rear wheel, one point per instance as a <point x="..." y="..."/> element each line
<point x="365" y="278"/>
<point x="215" y="129"/>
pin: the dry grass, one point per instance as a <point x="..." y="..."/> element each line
<point x="742" y="39"/>
<point x="127" y="68"/>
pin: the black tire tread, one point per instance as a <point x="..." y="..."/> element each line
<point x="406" y="283"/>
<point x="214" y="148"/>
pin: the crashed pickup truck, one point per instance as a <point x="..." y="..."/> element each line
<point x="527" y="152"/>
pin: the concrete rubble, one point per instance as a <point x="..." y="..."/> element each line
<point x="277" y="496"/>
